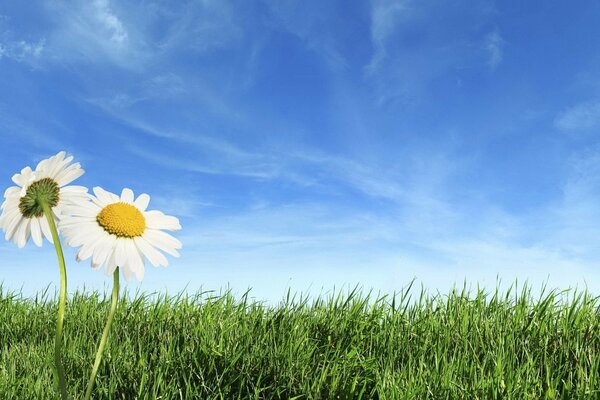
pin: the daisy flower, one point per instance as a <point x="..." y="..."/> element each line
<point x="22" y="213"/>
<point x="118" y="232"/>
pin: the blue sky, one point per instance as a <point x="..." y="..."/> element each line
<point x="313" y="144"/>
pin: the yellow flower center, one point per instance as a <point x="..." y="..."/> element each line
<point x="122" y="219"/>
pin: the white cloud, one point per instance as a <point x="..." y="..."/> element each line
<point x="583" y="116"/>
<point x="200" y="26"/>
<point x="130" y="34"/>
<point x="110" y="21"/>
<point x="385" y="16"/>
<point x="17" y="49"/>
<point x="92" y="30"/>
<point x="416" y="42"/>
<point x="211" y="156"/>
<point x="311" y="22"/>
<point x="494" y="44"/>
<point x="22" y="51"/>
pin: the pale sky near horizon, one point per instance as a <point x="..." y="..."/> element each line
<point x="313" y="144"/>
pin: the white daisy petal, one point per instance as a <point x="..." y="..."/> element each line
<point x="82" y="209"/>
<point x="87" y="249"/>
<point x="142" y="202"/>
<point x="23" y="178"/>
<point x="36" y="232"/>
<point x="12" y="191"/>
<point x="103" y="197"/>
<point x="103" y="249"/>
<point x="158" y="220"/>
<point x="77" y="235"/>
<point x="127" y="196"/>
<point x="46" y="230"/>
<point x="155" y="257"/>
<point x="42" y="164"/>
<point x="134" y="259"/>
<point x="23" y="232"/>
<point x="68" y="175"/>
<point x="110" y="265"/>
<point x="74" y="190"/>
<point x="120" y="252"/>
<point x="163" y="241"/>
<point x="127" y="273"/>
<point x="140" y="274"/>
<point x="11" y="226"/>
<point x="8" y="216"/>
<point x="58" y="163"/>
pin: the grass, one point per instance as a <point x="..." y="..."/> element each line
<point x="347" y="346"/>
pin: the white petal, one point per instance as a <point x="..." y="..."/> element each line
<point x="45" y="167"/>
<point x="9" y="214"/>
<point x="12" y="225"/>
<point x="127" y="196"/>
<point x="104" y="197"/>
<point x="110" y="265"/>
<point x="87" y="249"/>
<point x="163" y="241"/>
<point x="74" y="189"/>
<point x="23" y="233"/>
<point x="140" y="274"/>
<point x="78" y="235"/>
<point x="158" y="220"/>
<point x="104" y="249"/>
<point x="127" y="272"/>
<point x="36" y="231"/>
<point x="42" y="164"/>
<point x="56" y="165"/>
<point x="84" y="209"/>
<point x="134" y="260"/>
<point x="46" y="230"/>
<point x="120" y="252"/>
<point x="12" y="191"/>
<point x="23" y="178"/>
<point x="155" y="257"/>
<point x="142" y="202"/>
<point x="69" y="174"/>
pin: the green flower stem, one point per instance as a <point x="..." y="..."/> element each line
<point x="111" y="314"/>
<point x="59" y="370"/>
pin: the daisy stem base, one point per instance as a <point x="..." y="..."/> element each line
<point x="59" y="369"/>
<point x="111" y="314"/>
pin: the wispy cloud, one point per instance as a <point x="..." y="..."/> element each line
<point x="385" y="16"/>
<point x="111" y="23"/>
<point x="21" y="51"/>
<point x="413" y="45"/>
<point x="580" y="117"/>
<point x="571" y="221"/>
<point x="92" y="31"/>
<point x="494" y="45"/>
<point x="209" y="166"/>
<point x="126" y="34"/>
<point x="15" y="48"/>
<point x="313" y="26"/>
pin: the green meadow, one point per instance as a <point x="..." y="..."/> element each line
<point x="352" y="345"/>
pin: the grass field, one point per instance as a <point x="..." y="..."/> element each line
<point x="351" y="346"/>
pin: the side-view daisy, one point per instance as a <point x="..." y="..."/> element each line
<point x="118" y="232"/>
<point x="22" y="213"/>
<point x="31" y="209"/>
